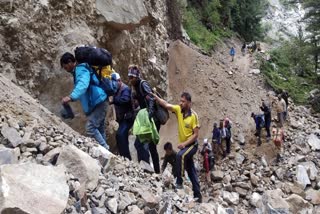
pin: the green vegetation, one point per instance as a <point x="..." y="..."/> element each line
<point x="290" y="69"/>
<point x="209" y="21"/>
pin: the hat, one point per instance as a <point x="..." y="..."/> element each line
<point x="117" y="76"/>
<point x="134" y="72"/>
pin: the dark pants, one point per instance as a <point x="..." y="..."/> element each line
<point x="267" y="126"/>
<point x="228" y="145"/>
<point x="258" y="135"/>
<point x="122" y="138"/>
<point x="185" y="162"/>
<point x="143" y="152"/>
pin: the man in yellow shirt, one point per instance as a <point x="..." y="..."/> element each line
<point x="188" y="128"/>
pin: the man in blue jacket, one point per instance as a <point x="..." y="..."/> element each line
<point x="124" y="116"/>
<point x="91" y="96"/>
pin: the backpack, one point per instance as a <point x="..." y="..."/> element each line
<point x="100" y="60"/>
<point x="161" y="113"/>
<point x="261" y="121"/>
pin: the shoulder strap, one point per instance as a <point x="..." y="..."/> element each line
<point x="141" y="88"/>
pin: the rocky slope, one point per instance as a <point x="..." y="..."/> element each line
<point x="34" y="35"/>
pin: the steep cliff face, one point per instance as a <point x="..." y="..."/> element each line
<point x="282" y="21"/>
<point x="34" y="34"/>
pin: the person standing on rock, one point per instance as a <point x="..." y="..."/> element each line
<point x="93" y="99"/>
<point x="124" y="116"/>
<point x="143" y="94"/>
<point x="285" y="97"/>
<point x="232" y="53"/>
<point x="267" y="117"/>
<point x="281" y="109"/>
<point x="188" y="130"/>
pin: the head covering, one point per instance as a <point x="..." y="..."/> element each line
<point x="134" y="72"/>
<point x="117" y="76"/>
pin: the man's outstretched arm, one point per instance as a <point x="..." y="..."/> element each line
<point x="163" y="103"/>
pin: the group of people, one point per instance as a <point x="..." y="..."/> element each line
<point x="128" y="101"/>
<point x="280" y="102"/>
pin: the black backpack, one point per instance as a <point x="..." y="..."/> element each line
<point x="161" y="113"/>
<point x="99" y="59"/>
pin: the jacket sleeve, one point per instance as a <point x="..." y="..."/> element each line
<point x="124" y="98"/>
<point x="149" y="98"/>
<point x="165" y="163"/>
<point x="82" y="81"/>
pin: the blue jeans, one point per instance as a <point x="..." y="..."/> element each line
<point x="185" y="162"/>
<point x="95" y="126"/>
<point x="122" y="138"/>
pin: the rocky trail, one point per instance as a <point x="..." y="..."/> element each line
<point x="47" y="167"/>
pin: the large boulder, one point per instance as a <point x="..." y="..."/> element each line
<point x="32" y="188"/>
<point x="8" y="156"/>
<point x="123" y="14"/>
<point x="302" y="176"/>
<point x="12" y="135"/>
<point x="274" y="203"/>
<point x="81" y="166"/>
<point x="313" y="196"/>
<point x="314" y="142"/>
<point x="298" y="204"/>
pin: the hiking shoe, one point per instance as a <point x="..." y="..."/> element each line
<point x="179" y="186"/>
<point x="198" y="200"/>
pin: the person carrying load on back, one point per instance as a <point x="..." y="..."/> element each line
<point x="227" y="126"/>
<point x="124" y="116"/>
<point x="91" y="95"/>
<point x="267" y="117"/>
<point x="188" y="130"/>
<point x="278" y="139"/>
<point x="143" y="94"/>
<point x="259" y="121"/>
<point x="216" y="140"/>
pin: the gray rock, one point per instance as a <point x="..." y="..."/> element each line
<point x="106" y="158"/>
<point x="97" y="194"/>
<point x="81" y="166"/>
<point x="112" y="205"/>
<point x="12" y="135"/>
<point x="254" y="179"/>
<point x="298" y="204"/>
<point x="134" y="209"/>
<point x="126" y="199"/>
<point x="311" y="169"/>
<point x="8" y="156"/>
<point x="149" y="198"/>
<point x="123" y="14"/>
<point x="239" y="158"/>
<point x="30" y="188"/>
<point x="51" y="157"/>
<point x="302" y="176"/>
<point x="254" y="71"/>
<point x="242" y="192"/>
<point x="274" y="203"/>
<point x="314" y="142"/>
<point x="280" y="173"/>
<point x="313" y="196"/>
<point x="98" y="210"/>
<point x="217" y="175"/>
<point x="145" y="166"/>
<point x="256" y="200"/>
<point x="231" y="197"/>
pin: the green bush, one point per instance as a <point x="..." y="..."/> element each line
<point x="199" y="34"/>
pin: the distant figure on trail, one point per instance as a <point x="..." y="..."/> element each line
<point x="232" y="53"/>
<point x="124" y="116"/>
<point x="243" y="49"/>
<point x="169" y="157"/>
<point x="285" y="97"/>
<point x="259" y="121"/>
<point x="93" y="101"/>
<point x="278" y="139"/>
<point x="188" y="129"/>
<point x="208" y="158"/>
<point x="265" y="107"/>
<point x="216" y="140"/>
